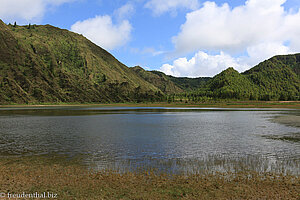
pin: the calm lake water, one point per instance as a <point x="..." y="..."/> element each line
<point x="166" y="139"/>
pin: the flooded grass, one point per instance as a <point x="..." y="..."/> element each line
<point x="237" y="174"/>
<point x="70" y="180"/>
<point x="208" y="164"/>
<point x="289" y="120"/>
<point x="293" y="137"/>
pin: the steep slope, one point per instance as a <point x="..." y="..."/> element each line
<point x="11" y="56"/>
<point x="277" y="78"/>
<point x="186" y="84"/>
<point x="273" y="79"/>
<point x="231" y="84"/>
<point x="292" y="61"/>
<point x="48" y="64"/>
<point x="160" y="81"/>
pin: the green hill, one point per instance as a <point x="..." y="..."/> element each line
<point x="274" y="79"/>
<point x="160" y="81"/>
<point x="277" y="78"/>
<point x="231" y="84"/>
<point x="185" y="83"/>
<point x="293" y="61"/>
<point x="48" y="64"/>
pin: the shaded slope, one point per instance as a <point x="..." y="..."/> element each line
<point x="186" y="84"/>
<point x="158" y="80"/>
<point x="48" y="64"/>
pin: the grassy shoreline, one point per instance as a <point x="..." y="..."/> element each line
<point x="72" y="181"/>
<point x="221" y="104"/>
<point x="289" y="120"/>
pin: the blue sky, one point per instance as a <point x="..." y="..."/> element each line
<point x="180" y="37"/>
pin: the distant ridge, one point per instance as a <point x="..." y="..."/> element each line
<point x="45" y="64"/>
<point x="274" y="79"/>
<point x="160" y="81"/>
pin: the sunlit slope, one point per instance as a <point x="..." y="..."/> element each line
<point x="277" y="78"/>
<point x="48" y="64"/>
<point x="231" y="84"/>
<point x="274" y="79"/>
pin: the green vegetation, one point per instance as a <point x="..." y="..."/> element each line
<point x="159" y="80"/>
<point x="45" y="64"/>
<point x="231" y="84"/>
<point x="276" y="79"/>
<point x="211" y="104"/>
<point x="186" y="84"/>
<point x="69" y="180"/>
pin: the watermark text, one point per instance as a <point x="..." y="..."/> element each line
<point x="24" y="195"/>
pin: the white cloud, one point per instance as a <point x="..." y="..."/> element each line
<point x="21" y="10"/>
<point x="263" y="51"/>
<point x="125" y="11"/>
<point x="147" y="50"/>
<point x="26" y="10"/>
<point x="214" y="27"/>
<point x="202" y="64"/>
<point x="153" y="51"/>
<point x="258" y="30"/>
<point x="292" y="27"/>
<point x="57" y="2"/>
<point x="103" y="32"/>
<point x="161" y="6"/>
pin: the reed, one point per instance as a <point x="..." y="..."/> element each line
<point x="70" y="180"/>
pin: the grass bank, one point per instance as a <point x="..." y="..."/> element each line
<point x="69" y="180"/>
<point x="217" y="104"/>
<point x="290" y="120"/>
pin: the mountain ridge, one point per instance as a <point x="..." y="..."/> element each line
<point x="273" y="79"/>
<point x="46" y="64"/>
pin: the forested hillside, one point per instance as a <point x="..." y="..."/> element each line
<point x="277" y="78"/>
<point x="231" y="84"/>
<point x="160" y="81"/>
<point x="48" y="64"/>
<point x="273" y="79"/>
<point x="185" y="83"/>
<point x="45" y="64"/>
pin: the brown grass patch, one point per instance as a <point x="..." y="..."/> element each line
<point x="72" y="181"/>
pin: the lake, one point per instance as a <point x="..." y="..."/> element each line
<point x="172" y="140"/>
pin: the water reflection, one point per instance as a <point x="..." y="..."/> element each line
<point x="172" y="140"/>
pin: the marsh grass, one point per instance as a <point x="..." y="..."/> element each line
<point x="208" y="164"/>
<point x="293" y="137"/>
<point x="70" y="180"/>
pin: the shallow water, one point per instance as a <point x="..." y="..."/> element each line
<point x="166" y="139"/>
